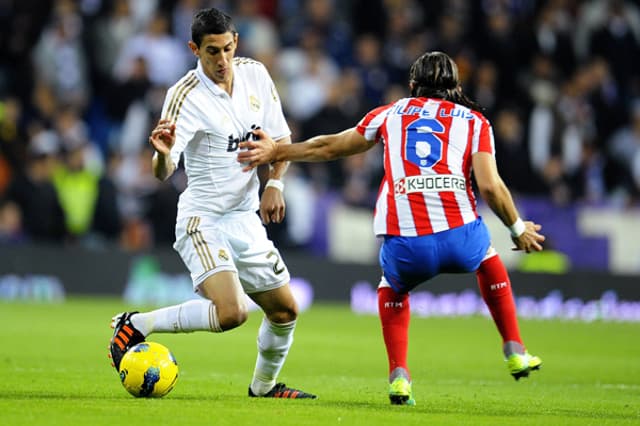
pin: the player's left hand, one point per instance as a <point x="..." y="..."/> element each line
<point x="272" y="206"/>
<point x="531" y="239"/>
<point x="255" y="152"/>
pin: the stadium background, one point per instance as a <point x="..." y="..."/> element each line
<point x="82" y="82"/>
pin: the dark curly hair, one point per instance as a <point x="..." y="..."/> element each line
<point x="210" y="21"/>
<point x="435" y="75"/>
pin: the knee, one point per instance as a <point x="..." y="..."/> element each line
<point x="284" y="315"/>
<point x="232" y="316"/>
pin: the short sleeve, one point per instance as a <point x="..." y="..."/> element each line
<point x="275" y="123"/>
<point x="484" y="140"/>
<point x="183" y="114"/>
<point x="369" y="126"/>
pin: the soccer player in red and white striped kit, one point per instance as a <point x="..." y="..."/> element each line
<point x="426" y="209"/>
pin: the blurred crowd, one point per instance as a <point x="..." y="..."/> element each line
<point x="82" y="82"/>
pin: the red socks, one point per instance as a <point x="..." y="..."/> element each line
<point x="495" y="288"/>
<point x="394" y="315"/>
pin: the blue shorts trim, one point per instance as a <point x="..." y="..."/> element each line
<point x="409" y="261"/>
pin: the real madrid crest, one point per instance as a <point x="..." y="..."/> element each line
<point x="254" y="103"/>
<point x="223" y="254"/>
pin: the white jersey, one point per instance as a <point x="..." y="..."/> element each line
<point x="209" y="126"/>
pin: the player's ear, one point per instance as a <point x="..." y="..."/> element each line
<point x="194" y="48"/>
<point x="235" y="39"/>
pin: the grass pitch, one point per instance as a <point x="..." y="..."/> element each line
<point x="54" y="371"/>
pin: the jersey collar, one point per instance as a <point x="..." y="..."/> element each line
<point x="210" y="84"/>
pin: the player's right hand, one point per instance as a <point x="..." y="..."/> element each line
<point x="163" y="136"/>
<point x="259" y="151"/>
<point x="530" y="240"/>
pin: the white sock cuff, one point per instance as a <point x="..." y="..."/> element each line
<point x="280" y="329"/>
<point x="195" y="315"/>
<point x="214" y="321"/>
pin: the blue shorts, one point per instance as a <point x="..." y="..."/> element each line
<point x="409" y="261"/>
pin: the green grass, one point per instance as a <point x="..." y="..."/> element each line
<point x="54" y="371"/>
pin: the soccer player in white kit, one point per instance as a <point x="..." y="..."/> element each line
<point x="219" y="236"/>
<point x="426" y="209"/>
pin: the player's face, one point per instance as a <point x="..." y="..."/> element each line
<point x="216" y="53"/>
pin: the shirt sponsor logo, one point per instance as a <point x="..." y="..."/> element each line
<point x="437" y="183"/>
<point x="234" y="141"/>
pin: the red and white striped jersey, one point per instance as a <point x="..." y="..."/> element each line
<point x="428" y="144"/>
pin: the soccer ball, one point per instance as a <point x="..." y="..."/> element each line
<point x="148" y="370"/>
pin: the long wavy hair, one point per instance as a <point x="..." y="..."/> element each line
<point x="435" y="75"/>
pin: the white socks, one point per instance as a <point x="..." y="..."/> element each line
<point x="274" y="341"/>
<point x="193" y="315"/>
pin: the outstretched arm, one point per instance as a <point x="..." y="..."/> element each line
<point x="265" y="150"/>
<point x="493" y="190"/>
<point x="279" y="167"/>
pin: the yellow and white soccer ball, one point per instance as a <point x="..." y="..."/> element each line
<point x="148" y="370"/>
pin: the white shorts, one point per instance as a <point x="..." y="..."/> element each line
<point x="236" y="242"/>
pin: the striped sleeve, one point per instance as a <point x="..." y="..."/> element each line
<point x="176" y="96"/>
<point x="176" y="110"/>
<point x="483" y="136"/>
<point x="369" y="126"/>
